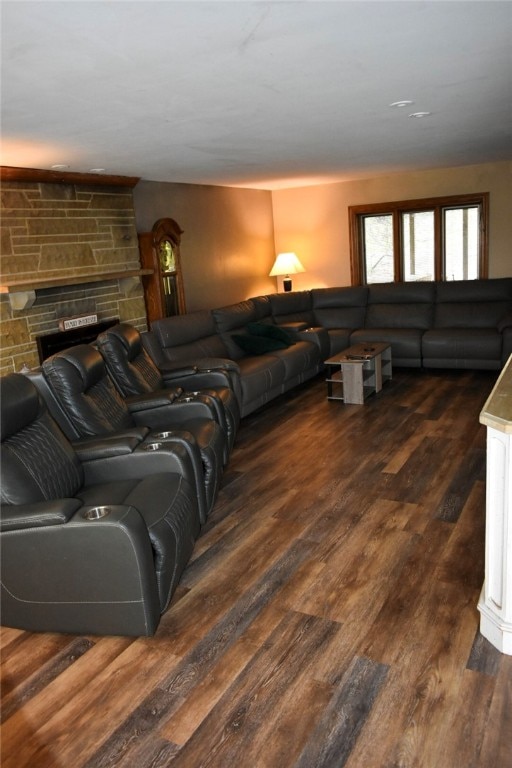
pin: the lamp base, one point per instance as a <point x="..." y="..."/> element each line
<point x="287" y="284"/>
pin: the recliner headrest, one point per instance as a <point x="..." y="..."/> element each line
<point x="20" y="403"/>
<point x="86" y="361"/>
<point x="128" y="336"/>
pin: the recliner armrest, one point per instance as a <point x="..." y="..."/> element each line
<point x="170" y="373"/>
<point x="150" y="400"/>
<point x="38" y="515"/>
<point x="205" y="364"/>
<point x="88" y="576"/>
<point x="106" y="446"/>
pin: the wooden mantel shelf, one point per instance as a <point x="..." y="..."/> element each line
<point x="22" y="292"/>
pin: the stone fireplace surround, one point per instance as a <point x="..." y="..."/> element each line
<point x="60" y="228"/>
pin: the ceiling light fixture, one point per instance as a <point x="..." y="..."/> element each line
<point x="59" y="167"/>
<point x="97" y="170"/>
<point x="420" y="114"/>
<point x="400" y="104"/>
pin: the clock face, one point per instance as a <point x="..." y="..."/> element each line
<point x="167" y="256"/>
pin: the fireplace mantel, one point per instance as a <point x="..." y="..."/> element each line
<point x="22" y="293"/>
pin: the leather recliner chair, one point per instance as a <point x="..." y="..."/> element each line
<point x="134" y="373"/>
<point x="86" y="403"/>
<point x="81" y="554"/>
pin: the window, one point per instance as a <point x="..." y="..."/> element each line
<point x="442" y="238"/>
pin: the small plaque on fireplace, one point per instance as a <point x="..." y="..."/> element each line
<point x="67" y="323"/>
<point x="53" y="342"/>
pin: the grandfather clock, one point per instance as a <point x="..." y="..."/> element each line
<point x="160" y="251"/>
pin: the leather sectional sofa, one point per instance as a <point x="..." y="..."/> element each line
<point x="459" y="324"/>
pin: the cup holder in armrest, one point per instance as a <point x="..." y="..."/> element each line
<point x="162" y="436"/>
<point x="96" y="513"/>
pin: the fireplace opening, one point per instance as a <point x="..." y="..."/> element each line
<point x="51" y="343"/>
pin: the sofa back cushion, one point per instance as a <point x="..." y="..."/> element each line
<point x="262" y="307"/>
<point x="233" y="320"/>
<point x="340" y="307"/>
<point x="292" y="307"/>
<point x="188" y="337"/>
<point x="400" y="305"/>
<point x="473" y="303"/>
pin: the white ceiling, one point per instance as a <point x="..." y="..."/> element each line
<point x="255" y="94"/>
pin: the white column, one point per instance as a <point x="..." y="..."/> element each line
<point x="495" y="604"/>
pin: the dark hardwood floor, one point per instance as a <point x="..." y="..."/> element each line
<point x="327" y="618"/>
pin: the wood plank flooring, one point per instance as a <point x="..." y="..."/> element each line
<point x="327" y="618"/>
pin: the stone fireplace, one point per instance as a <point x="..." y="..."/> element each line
<point x="67" y="250"/>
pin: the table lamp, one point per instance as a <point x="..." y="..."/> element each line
<point x="286" y="264"/>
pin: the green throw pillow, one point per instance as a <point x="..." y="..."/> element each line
<point x="270" y="332"/>
<point x="257" y="345"/>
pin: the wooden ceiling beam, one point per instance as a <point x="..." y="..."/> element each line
<point x="10" y="173"/>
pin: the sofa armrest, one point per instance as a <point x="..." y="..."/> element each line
<point x="293" y="327"/>
<point x="18" y="517"/>
<point x="319" y="336"/>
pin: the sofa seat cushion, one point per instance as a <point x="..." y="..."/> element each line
<point x="261" y="379"/>
<point x="167" y="504"/>
<point x="405" y="343"/>
<point x="461" y="347"/>
<point x="299" y="359"/>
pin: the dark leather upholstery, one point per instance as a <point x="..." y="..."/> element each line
<point x="265" y="376"/>
<point x="134" y="372"/>
<point x="450" y="324"/>
<point x="80" y="383"/>
<point x="65" y="573"/>
<point x="466" y="329"/>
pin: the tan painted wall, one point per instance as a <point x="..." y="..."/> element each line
<point x="227" y="248"/>
<point x="313" y="221"/>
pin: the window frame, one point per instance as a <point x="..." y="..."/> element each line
<point x="395" y="209"/>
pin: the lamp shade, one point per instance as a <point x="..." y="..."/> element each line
<point x="286" y="264"/>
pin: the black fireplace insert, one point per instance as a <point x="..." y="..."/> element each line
<point x="54" y="342"/>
